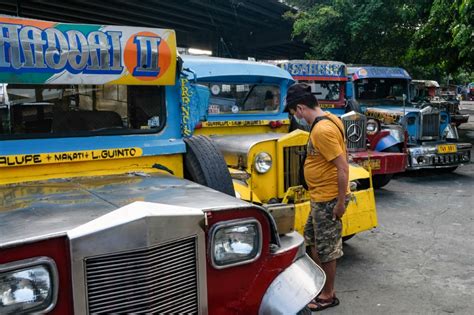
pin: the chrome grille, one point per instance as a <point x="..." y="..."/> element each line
<point x="430" y="126"/>
<point x="159" y="279"/>
<point x="356" y="136"/>
<point x="293" y="158"/>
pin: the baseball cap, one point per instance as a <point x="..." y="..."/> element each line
<point x="296" y="93"/>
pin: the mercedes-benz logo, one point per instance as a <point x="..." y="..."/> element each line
<point x="354" y="133"/>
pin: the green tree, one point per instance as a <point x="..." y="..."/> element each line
<point x="358" y="31"/>
<point x="445" y="41"/>
<point x="431" y="38"/>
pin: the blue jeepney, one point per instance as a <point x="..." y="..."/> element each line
<point x="383" y="95"/>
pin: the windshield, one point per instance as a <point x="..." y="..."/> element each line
<point x="30" y="111"/>
<point x="325" y="91"/>
<point x="369" y="91"/>
<point x="228" y="98"/>
<point x="420" y="92"/>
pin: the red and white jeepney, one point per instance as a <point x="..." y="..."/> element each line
<point x="328" y="83"/>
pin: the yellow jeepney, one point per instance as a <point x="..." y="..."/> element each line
<point x="246" y="121"/>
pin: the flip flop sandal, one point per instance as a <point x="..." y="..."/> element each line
<point x="322" y="304"/>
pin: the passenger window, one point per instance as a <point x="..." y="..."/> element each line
<point x="30" y="111"/>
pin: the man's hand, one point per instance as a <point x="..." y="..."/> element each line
<point x="342" y="181"/>
<point x="338" y="210"/>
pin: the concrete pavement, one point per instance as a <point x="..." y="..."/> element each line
<point x="420" y="259"/>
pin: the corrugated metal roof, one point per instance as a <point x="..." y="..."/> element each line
<point x="232" y="28"/>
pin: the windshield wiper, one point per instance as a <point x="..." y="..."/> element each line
<point x="248" y="94"/>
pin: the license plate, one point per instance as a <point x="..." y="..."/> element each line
<point x="447" y="148"/>
<point x="374" y="164"/>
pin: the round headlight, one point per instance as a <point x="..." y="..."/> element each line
<point x="263" y="162"/>
<point x="372" y="126"/>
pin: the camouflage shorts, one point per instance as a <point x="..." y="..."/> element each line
<point x="324" y="232"/>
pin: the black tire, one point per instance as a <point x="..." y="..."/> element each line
<point x="381" y="180"/>
<point x="205" y="165"/>
<point x="352" y="105"/>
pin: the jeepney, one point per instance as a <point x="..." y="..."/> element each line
<point x="470" y="88"/>
<point x="96" y="216"/>
<point x="328" y="83"/>
<point x="383" y="95"/>
<point x="247" y="122"/>
<point x="428" y="93"/>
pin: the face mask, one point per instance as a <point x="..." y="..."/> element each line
<point x="301" y="121"/>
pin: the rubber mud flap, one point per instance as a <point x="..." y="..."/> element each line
<point x="204" y="164"/>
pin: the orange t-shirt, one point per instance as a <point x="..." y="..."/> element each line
<point x="326" y="144"/>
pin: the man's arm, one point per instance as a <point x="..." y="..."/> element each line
<point x="342" y="181"/>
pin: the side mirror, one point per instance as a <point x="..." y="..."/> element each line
<point x="179" y="65"/>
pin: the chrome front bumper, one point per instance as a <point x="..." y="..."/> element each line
<point x="295" y="286"/>
<point x="427" y="156"/>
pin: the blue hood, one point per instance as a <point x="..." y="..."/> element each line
<point x="412" y="120"/>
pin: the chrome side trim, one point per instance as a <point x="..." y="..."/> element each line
<point x="294" y="288"/>
<point x="37" y="261"/>
<point x="224" y="224"/>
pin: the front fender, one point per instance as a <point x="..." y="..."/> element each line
<point x="243" y="192"/>
<point x="357" y="172"/>
<point x="386" y="142"/>
<point x="294" y="288"/>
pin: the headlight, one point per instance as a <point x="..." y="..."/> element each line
<point x="353" y="186"/>
<point x="235" y="243"/>
<point x="263" y="162"/>
<point x="28" y="286"/>
<point x="372" y="126"/>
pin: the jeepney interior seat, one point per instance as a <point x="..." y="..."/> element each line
<point x="85" y="121"/>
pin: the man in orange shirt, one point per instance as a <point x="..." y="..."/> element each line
<point x="326" y="172"/>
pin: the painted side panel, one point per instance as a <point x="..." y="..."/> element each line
<point x="43" y="52"/>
